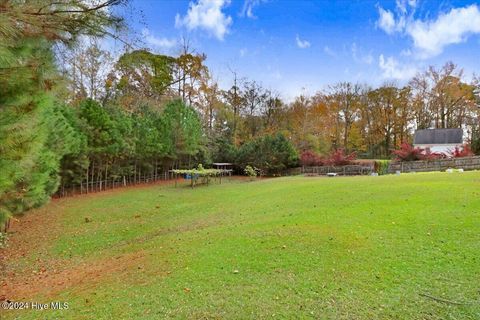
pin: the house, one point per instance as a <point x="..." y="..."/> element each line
<point x="438" y="140"/>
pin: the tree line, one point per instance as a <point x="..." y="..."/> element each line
<point x="73" y="112"/>
<point x="350" y="116"/>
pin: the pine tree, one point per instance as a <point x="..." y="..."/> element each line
<point x="34" y="135"/>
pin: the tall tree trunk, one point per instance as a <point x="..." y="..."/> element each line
<point x="87" y="177"/>
<point x="93" y="176"/>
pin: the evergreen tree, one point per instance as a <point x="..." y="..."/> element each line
<point x="34" y="135"/>
<point x="271" y="154"/>
<point x="181" y="130"/>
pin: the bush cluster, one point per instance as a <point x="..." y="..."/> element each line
<point x="270" y="154"/>
<point x="251" y="172"/>
<point x="381" y="166"/>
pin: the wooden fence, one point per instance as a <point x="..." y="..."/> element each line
<point x="467" y="163"/>
<point x="347" y="170"/>
<point x="289" y="172"/>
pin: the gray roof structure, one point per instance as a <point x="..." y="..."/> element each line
<point x="438" y="136"/>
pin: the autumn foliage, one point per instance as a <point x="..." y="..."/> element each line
<point x="464" y="151"/>
<point x="309" y="159"/>
<point x="340" y="158"/>
<point x="407" y="152"/>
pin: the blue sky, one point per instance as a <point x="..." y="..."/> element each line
<point x="295" y="46"/>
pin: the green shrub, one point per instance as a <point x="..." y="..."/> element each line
<point x="270" y="154"/>
<point x="381" y="166"/>
<point x="251" y="172"/>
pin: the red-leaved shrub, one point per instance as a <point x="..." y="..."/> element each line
<point x="310" y="158"/>
<point x="429" y="155"/>
<point x="407" y="152"/>
<point x="464" y="151"/>
<point x="339" y="158"/>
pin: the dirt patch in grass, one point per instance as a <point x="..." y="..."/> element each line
<point x="27" y="268"/>
<point x="28" y="235"/>
<point x="34" y="231"/>
<point x="29" y="238"/>
<point x="49" y="282"/>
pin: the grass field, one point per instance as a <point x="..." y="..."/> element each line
<point x="389" y="247"/>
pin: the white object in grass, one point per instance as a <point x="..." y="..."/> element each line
<point x="460" y="170"/>
<point x="449" y="170"/>
<point x="331" y="174"/>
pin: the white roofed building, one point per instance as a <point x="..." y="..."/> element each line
<point x="438" y="140"/>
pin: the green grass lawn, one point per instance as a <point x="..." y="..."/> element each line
<point x="296" y="247"/>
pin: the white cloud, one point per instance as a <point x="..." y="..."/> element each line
<point x="302" y="44"/>
<point x="206" y="15"/>
<point x="386" y="21"/>
<point x="404" y="9"/>
<point x="163" y="43"/>
<point x="391" y="69"/>
<point x="243" y="52"/>
<point x="402" y="5"/>
<point x="248" y="6"/>
<point x="431" y="37"/>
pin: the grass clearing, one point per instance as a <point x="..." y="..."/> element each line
<point x="343" y="248"/>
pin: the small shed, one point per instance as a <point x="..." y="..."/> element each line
<point x="438" y="140"/>
<point x="225" y="166"/>
<point x="222" y="165"/>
